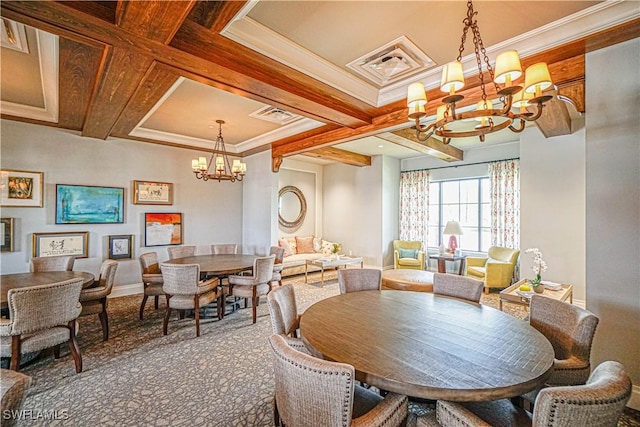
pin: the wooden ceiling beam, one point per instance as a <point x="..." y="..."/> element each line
<point x="432" y="146"/>
<point x="339" y="155"/>
<point x="155" y="20"/>
<point x="215" y="15"/>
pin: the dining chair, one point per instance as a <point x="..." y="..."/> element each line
<point x="598" y="403"/>
<point x="13" y="386"/>
<point x="151" y="279"/>
<point x="253" y="286"/>
<point x="52" y="263"/>
<point x="185" y="291"/>
<point x="359" y="279"/>
<point x="41" y="317"/>
<point x="278" y="264"/>
<point x="571" y="330"/>
<point x="176" y="252"/>
<point x="94" y="298"/>
<point x="315" y="392"/>
<point x="230" y="248"/>
<point x="460" y="287"/>
<point x="283" y="310"/>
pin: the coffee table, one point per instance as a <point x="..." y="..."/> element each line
<point x="511" y="295"/>
<point x="330" y="262"/>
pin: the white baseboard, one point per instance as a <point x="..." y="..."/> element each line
<point x="126" y="290"/>
<point x="634" y="402"/>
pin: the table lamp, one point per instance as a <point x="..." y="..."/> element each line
<point x="453" y="229"/>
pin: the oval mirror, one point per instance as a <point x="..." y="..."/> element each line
<point x="292" y="206"/>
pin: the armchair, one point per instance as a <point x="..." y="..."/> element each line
<point x="401" y="249"/>
<point x="496" y="269"/>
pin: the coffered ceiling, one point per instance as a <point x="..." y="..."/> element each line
<point x="322" y="78"/>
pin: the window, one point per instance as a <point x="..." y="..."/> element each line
<point x="466" y="201"/>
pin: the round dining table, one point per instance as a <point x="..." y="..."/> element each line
<point x="23" y="280"/>
<point x="429" y="346"/>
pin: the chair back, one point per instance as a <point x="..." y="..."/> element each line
<point x="455" y="286"/>
<point x="311" y="391"/>
<point x="407" y="244"/>
<point x="230" y="248"/>
<point x="503" y="254"/>
<point x="569" y="328"/>
<point x="149" y="263"/>
<point x="44" y="306"/>
<point x="599" y="402"/>
<point x="283" y="309"/>
<point x="263" y="269"/>
<point x="278" y="252"/>
<point x="108" y="274"/>
<point x="359" y="279"/>
<point x="176" y="252"/>
<point x="180" y="279"/>
<point x="13" y="386"/>
<point x="52" y="263"/>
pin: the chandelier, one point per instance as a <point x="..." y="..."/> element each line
<point x="507" y="69"/>
<point x="223" y="171"/>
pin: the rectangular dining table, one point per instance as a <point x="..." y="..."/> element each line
<point x="429" y="346"/>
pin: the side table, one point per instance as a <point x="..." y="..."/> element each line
<point x="442" y="262"/>
<point x="512" y="295"/>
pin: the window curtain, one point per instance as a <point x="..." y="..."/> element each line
<point x="414" y="206"/>
<point x="505" y="203"/>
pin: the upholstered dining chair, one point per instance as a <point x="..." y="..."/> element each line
<point x="94" y="298"/>
<point x="359" y="279"/>
<point x="52" y="263"/>
<point x="571" y="330"/>
<point x="176" y="252"/>
<point x="284" y="310"/>
<point x="227" y="248"/>
<point x="13" y="386"/>
<point x="320" y="393"/>
<point x="151" y="279"/>
<point x="452" y="285"/>
<point x="185" y="291"/>
<point x="41" y="317"/>
<point x="598" y="403"/>
<point x="278" y="264"/>
<point x="254" y="286"/>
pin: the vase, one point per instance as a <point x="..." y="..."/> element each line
<point x="538" y="289"/>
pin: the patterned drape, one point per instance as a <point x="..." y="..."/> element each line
<point x="505" y="203"/>
<point x="414" y="206"/>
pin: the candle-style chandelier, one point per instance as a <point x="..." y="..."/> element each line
<point x="508" y="69"/>
<point x="223" y="169"/>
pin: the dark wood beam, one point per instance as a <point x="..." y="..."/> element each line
<point x="432" y="146"/>
<point x="155" y="20"/>
<point x="342" y="156"/>
<point x="215" y="15"/>
<point x="555" y="119"/>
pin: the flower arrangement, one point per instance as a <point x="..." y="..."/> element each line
<point x="335" y="248"/>
<point x="539" y="266"/>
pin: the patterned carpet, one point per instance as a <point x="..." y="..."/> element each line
<point x="140" y="377"/>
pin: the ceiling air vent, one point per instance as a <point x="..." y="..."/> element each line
<point x="394" y="61"/>
<point x="275" y="115"/>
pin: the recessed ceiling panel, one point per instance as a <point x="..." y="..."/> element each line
<point x="21" y="81"/>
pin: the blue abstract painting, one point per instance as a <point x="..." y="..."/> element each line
<point x="81" y="204"/>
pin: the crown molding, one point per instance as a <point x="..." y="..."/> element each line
<point x="293" y="129"/>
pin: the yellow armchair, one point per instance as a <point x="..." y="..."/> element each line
<point x="495" y="270"/>
<point x="408" y="262"/>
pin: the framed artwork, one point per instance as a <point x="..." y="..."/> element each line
<point x="6" y="231"/>
<point x="53" y="244"/>
<point x="21" y="189"/>
<point x="121" y="247"/>
<point x="161" y="229"/>
<point x="83" y="204"/>
<point x="152" y="193"/>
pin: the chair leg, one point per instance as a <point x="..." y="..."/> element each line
<point x="156" y="300"/>
<point x="16" y="349"/>
<point x="74" y="348"/>
<point x="165" y="322"/>
<point x="222" y="305"/>
<point x="104" y="320"/>
<point x="144" y="301"/>
<point x="254" y="305"/>
<point x="196" y="308"/>
<point x="56" y="352"/>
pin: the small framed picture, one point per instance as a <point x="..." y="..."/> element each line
<point x="152" y="193"/>
<point x="21" y="189"/>
<point x="63" y="243"/>
<point x="162" y="229"/>
<point x="6" y="231"/>
<point x="121" y="246"/>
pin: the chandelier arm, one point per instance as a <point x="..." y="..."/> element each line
<point x="421" y="128"/>
<point x="517" y="129"/>
<point x="537" y="114"/>
<point x="424" y="135"/>
<point x="508" y="102"/>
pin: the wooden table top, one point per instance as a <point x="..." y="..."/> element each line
<point x="23" y="280"/>
<point x="218" y="264"/>
<point x="428" y="346"/>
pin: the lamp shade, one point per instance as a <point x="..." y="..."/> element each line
<point x="537" y="78"/>
<point x="452" y="77"/>
<point x="508" y="67"/>
<point x="453" y="228"/>
<point x="416" y="111"/>
<point x="416" y="96"/>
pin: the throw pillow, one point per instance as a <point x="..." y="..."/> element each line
<point x="292" y="245"/>
<point x="326" y="247"/>
<point x="304" y="245"/>
<point x="408" y="253"/>
<point x="287" y="249"/>
<point x="317" y="244"/>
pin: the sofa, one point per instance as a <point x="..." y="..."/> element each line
<point x="496" y="269"/>
<point x="299" y="249"/>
